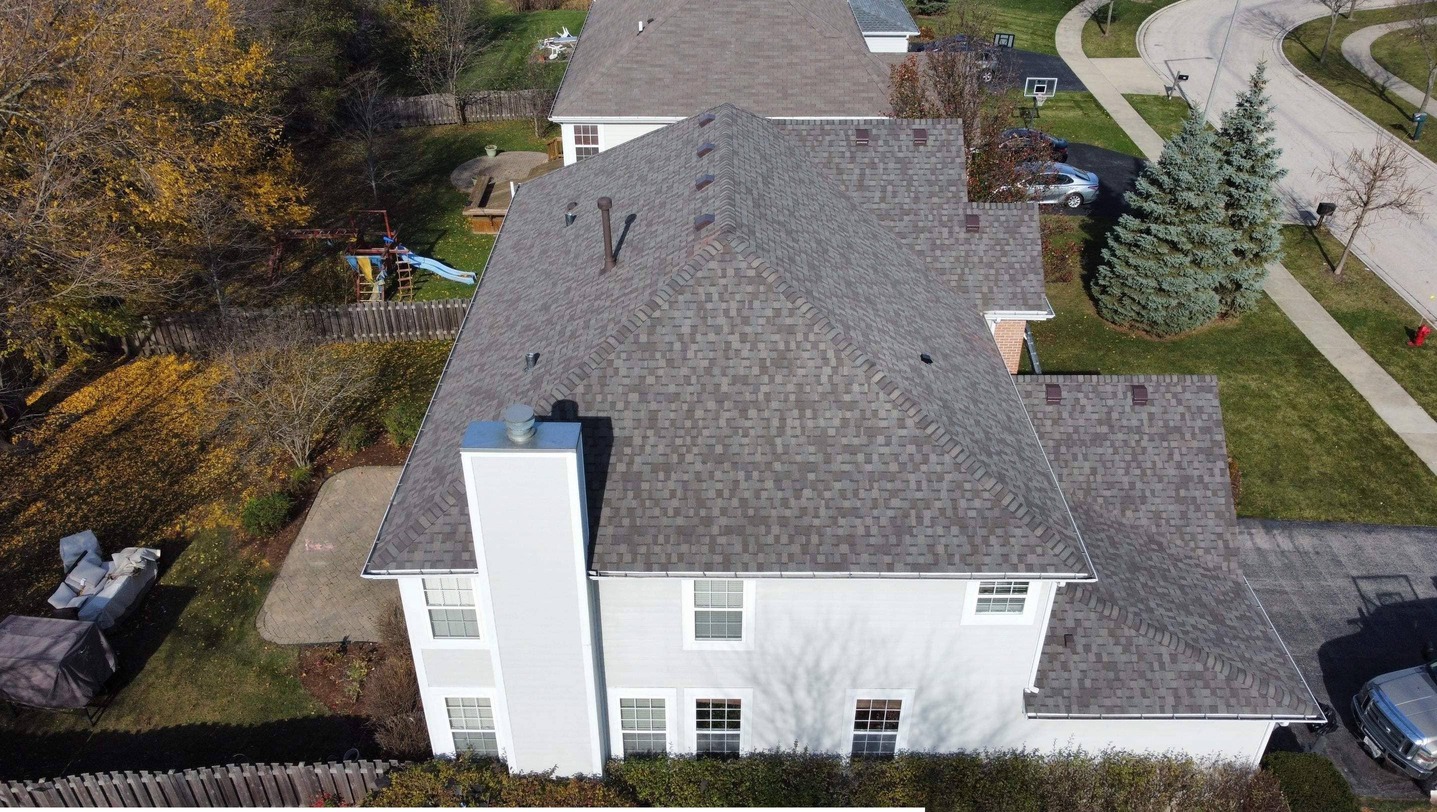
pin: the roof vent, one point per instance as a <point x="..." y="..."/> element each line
<point x="703" y="220"/>
<point x="1053" y="393"/>
<point x="702" y="181"/>
<point x="925" y="358"/>
<point x="609" y="259"/>
<point x="1068" y="642"/>
<point x="531" y="360"/>
<point x="1140" y="395"/>
<point x="519" y="423"/>
<point x="569" y="215"/>
<point x="920" y="136"/>
<point x="860" y="136"/>
<point x="641" y="26"/>
<point x="971" y="223"/>
<point x="707" y="119"/>
<point x="706" y="148"/>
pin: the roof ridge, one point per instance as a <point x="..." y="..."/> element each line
<point x="1213" y="661"/>
<point x="968" y="462"/>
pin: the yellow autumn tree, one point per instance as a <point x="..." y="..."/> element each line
<point x="140" y="162"/>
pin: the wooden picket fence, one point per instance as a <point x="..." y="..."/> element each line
<point x="364" y="321"/>
<point x="285" y="785"/>
<point x="492" y="105"/>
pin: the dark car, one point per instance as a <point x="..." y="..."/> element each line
<point x="987" y="55"/>
<point x="1033" y="142"/>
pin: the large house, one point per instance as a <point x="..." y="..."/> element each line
<point x="643" y="64"/>
<point x="782" y="490"/>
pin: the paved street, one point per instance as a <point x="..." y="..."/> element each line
<point x="1312" y="125"/>
<point x="1351" y="602"/>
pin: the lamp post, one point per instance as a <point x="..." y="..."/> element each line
<point x="1217" y="71"/>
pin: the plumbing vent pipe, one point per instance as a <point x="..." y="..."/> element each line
<point x="604" y="205"/>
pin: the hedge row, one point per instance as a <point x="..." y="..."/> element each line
<point x="1009" y="781"/>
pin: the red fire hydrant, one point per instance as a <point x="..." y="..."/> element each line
<point x="1421" y="337"/>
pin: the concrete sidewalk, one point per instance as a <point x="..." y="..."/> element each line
<point x="1357" y="50"/>
<point x="1387" y="398"/>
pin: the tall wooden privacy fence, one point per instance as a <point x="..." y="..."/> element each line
<point x="365" y="321"/>
<point x="235" y="785"/>
<point x="490" y="105"/>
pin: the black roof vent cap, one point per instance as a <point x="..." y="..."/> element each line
<point x="703" y="220"/>
<point x="971" y="223"/>
<point x="920" y="136"/>
<point x="1053" y="393"/>
<point x="860" y="136"/>
<point x="706" y="148"/>
<point x="707" y="119"/>
<point x="702" y="181"/>
<point x="1140" y="395"/>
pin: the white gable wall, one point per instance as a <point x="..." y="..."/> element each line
<point x="886" y="43"/>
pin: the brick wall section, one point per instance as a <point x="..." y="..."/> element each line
<point x="1009" y="335"/>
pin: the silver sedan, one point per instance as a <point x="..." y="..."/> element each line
<point x="1055" y="183"/>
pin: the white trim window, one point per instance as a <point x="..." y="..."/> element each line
<point x="718" y="727"/>
<point x="471" y="723"/>
<point x="1001" y="598"/>
<point x="452" y="610"/>
<point x="718" y="613"/>
<point x="875" y="727"/>
<point x="644" y="724"/>
<point x="586" y="141"/>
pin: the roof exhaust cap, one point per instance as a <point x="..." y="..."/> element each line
<point x="1053" y="393"/>
<point x="1068" y="642"/>
<point x="519" y="423"/>
<point x="920" y="136"/>
<point x="1140" y="395"/>
<point x="860" y="136"/>
<point x="604" y="205"/>
<point x="641" y="26"/>
<point x="531" y="360"/>
<point x="972" y="223"/>
<point x="569" y="215"/>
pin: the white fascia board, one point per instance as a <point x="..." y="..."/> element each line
<point x="891" y="33"/>
<point x="617" y="119"/>
<point x="389" y="575"/>
<point x="1076" y="577"/>
<point x="1213" y="717"/>
<point x="1018" y="315"/>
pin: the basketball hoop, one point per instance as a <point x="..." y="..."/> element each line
<point x="1040" y="98"/>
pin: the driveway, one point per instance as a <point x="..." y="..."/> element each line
<point x="319" y="596"/>
<point x="1312" y="126"/>
<point x="1117" y="173"/>
<point x="1350" y="602"/>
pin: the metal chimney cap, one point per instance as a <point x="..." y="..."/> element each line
<point x="605" y="204"/>
<point x="519" y="422"/>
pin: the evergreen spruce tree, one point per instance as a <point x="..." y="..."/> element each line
<point x="1249" y="157"/>
<point x="1164" y="259"/>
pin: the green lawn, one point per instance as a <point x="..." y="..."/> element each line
<point x="1304" y="44"/>
<point x="1306" y="444"/>
<point x="1399" y="52"/>
<point x="1369" y="310"/>
<point x="1122" y="39"/>
<point x="1032" y="22"/>
<point x="1079" y="117"/>
<point x="1164" y="115"/>
<point x="503" y="63"/>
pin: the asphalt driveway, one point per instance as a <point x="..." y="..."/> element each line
<point x="1351" y="602"/>
<point x="1116" y="175"/>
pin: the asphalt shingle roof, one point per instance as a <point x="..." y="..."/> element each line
<point x="752" y="392"/>
<point x="883" y="17"/>
<point x="773" y="57"/>
<point x="920" y="192"/>
<point x="1170" y="627"/>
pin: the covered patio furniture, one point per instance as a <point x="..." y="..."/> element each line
<point x="47" y="662"/>
<point x="99" y="591"/>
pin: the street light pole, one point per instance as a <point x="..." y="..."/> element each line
<point x="1221" y="55"/>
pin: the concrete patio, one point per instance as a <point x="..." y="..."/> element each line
<point x="319" y="596"/>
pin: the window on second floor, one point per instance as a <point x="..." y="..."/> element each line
<point x="1002" y="597"/>
<point x="452" y="611"/>
<point x="718" y="726"/>
<point x="586" y="141"/>
<point x="718" y="610"/>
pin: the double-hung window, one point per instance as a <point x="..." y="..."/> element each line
<point x="644" y="724"/>
<point x="471" y="720"/>
<point x="1001" y="597"/>
<point x="718" y="726"/>
<point x="718" y="610"/>
<point x="586" y="141"/>
<point x="452" y="612"/>
<point x="875" y="726"/>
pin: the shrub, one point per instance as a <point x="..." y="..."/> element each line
<point x="467" y="781"/>
<point x="354" y="439"/>
<point x="939" y="782"/>
<point x="299" y="478"/>
<point x="390" y="700"/>
<point x="265" y="515"/>
<point x="1310" y="782"/>
<point x="403" y="419"/>
<point x="762" y="779"/>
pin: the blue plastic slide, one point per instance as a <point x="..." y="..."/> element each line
<point x="434" y="266"/>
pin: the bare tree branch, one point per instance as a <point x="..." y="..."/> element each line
<point x="1371" y="183"/>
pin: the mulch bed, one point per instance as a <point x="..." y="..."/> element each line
<point x="335" y="673"/>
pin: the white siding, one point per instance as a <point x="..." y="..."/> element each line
<point x="886" y="45"/>
<point x="611" y="134"/>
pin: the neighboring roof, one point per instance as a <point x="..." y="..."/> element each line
<point x="1171" y="626"/>
<point x="772" y="57"/>
<point x="920" y="192"/>
<point x="752" y="392"/>
<point x="883" y="17"/>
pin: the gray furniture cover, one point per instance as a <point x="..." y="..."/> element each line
<point x="47" y="662"/>
<point x="100" y="591"/>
